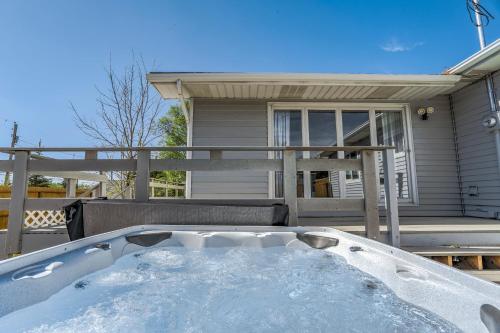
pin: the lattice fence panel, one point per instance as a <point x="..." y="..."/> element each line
<point x="43" y="218"/>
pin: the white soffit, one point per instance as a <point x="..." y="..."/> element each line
<point x="302" y="86"/>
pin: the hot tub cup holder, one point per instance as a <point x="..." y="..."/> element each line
<point x="36" y="271"/>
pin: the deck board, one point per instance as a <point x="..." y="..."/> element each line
<point x="454" y="251"/>
<point x="412" y="224"/>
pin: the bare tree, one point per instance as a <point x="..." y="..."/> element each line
<point x="127" y="116"/>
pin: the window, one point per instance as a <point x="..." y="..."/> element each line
<point x="330" y="124"/>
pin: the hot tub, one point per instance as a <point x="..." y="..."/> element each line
<point x="247" y="279"/>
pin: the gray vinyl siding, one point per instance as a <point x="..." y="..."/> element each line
<point x="477" y="150"/>
<point x="223" y="123"/>
<point x="435" y="162"/>
<point x="219" y="123"/>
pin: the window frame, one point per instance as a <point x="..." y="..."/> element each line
<point x="372" y="108"/>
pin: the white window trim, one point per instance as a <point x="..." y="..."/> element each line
<point x="371" y="108"/>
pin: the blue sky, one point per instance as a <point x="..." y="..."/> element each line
<point x="55" y="52"/>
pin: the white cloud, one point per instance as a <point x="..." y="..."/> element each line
<point x="394" y="45"/>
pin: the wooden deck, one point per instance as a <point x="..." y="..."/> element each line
<point x="412" y="224"/>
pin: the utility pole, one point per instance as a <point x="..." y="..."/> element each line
<point x="12" y="144"/>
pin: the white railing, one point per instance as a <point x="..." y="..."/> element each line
<point x="177" y="190"/>
<point x="143" y="165"/>
<point x="43" y="218"/>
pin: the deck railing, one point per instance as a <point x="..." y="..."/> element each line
<point x="22" y="165"/>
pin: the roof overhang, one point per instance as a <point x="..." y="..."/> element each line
<point x="302" y="86"/>
<point x="480" y="63"/>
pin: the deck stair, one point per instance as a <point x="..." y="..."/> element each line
<point x="481" y="261"/>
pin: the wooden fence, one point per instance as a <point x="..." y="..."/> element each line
<point x="33" y="192"/>
<point x="143" y="165"/>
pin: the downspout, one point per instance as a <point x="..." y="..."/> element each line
<point x="457" y="154"/>
<point x="493" y="121"/>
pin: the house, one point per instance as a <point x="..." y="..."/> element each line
<point x="447" y="147"/>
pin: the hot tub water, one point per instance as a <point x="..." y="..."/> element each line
<point x="226" y="289"/>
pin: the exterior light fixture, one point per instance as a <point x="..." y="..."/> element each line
<point x="489" y="121"/>
<point x="424" y="112"/>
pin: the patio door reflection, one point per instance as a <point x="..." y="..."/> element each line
<point x="356" y="132"/>
<point x="287" y="132"/>
<point x="323" y="133"/>
<point x="391" y="132"/>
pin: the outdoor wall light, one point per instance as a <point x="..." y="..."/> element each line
<point x="424" y="112"/>
<point x="489" y="121"/>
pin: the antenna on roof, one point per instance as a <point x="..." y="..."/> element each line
<point x="480" y="13"/>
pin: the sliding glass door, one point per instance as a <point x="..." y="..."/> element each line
<point x="391" y="132"/>
<point x="287" y="132"/>
<point x="342" y="125"/>
<point x="322" y="130"/>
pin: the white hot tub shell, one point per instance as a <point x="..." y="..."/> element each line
<point x="468" y="302"/>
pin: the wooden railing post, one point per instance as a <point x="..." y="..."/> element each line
<point x="216" y="154"/>
<point x="142" y="176"/>
<point x="70" y="187"/>
<point x="101" y="190"/>
<point x="290" y="185"/>
<point x="372" y="223"/>
<point x="13" y="243"/>
<point x="391" y="200"/>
